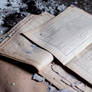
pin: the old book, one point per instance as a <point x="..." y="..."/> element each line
<point x="18" y="47"/>
<point x="68" y="37"/>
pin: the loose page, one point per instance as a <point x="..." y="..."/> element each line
<point x="21" y="49"/>
<point x="66" y="35"/>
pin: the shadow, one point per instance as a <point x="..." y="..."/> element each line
<point x="32" y="42"/>
<point x="23" y="66"/>
<point x="69" y="71"/>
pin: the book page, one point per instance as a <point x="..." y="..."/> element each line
<point x="66" y="35"/>
<point x="23" y="50"/>
<point x="82" y="64"/>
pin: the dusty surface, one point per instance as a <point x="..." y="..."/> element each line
<point x="17" y="77"/>
<point x="14" y="79"/>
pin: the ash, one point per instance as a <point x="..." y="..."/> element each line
<point x="13" y="11"/>
<point x="51" y="88"/>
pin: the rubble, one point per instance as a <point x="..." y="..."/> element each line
<point x="38" y="78"/>
<point x="22" y="8"/>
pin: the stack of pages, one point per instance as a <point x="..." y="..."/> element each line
<point x="58" y="47"/>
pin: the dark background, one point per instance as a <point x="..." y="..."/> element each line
<point x="12" y="11"/>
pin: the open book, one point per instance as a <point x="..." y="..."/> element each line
<point x="16" y="46"/>
<point x="68" y="37"/>
<point x="20" y="48"/>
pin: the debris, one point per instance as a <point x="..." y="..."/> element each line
<point x="52" y="89"/>
<point x="63" y="90"/>
<point x="61" y="7"/>
<point x="38" y="78"/>
<point x="21" y="8"/>
<point x="12" y="19"/>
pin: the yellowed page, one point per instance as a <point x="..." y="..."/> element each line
<point x="21" y="49"/>
<point x="82" y="64"/>
<point x="66" y="35"/>
<point x="17" y="46"/>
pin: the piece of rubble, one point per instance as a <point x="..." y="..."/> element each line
<point x="38" y="78"/>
